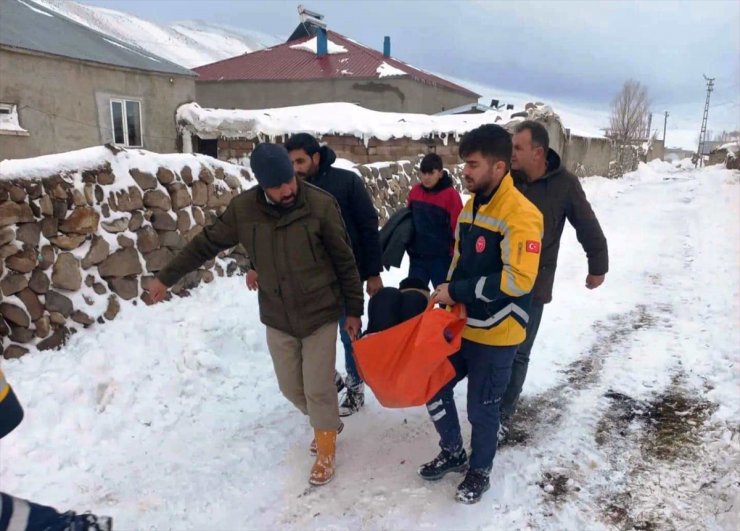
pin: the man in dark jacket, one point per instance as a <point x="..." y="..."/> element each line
<point x="296" y="241"/>
<point x="313" y="163"/>
<point x="558" y="194"/>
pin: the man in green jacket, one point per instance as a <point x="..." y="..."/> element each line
<point x="298" y="245"/>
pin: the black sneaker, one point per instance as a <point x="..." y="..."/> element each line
<point x="471" y="490"/>
<point x="353" y="401"/>
<point x="87" y="522"/>
<point x="442" y="464"/>
<point x="338" y="381"/>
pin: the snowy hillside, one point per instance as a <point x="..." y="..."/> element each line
<point x="190" y="44"/>
<point x="170" y="417"/>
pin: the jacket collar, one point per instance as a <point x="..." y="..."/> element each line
<point x="504" y="187"/>
<point x="554" y="165"/>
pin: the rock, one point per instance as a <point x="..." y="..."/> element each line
<point x="163" y="220"/>
<point x="43" y="326"/>
<point x="78" y="198"/>
<point x="171" y="239"/>
<point x="246" y="174"/>
<point x="14" y="314"/>
<point x="56" y="302"/>
<point x="123" y="262"/>
<point x="179" y="195"/>
<point x="116" y="225"/>
<point x="233" y="182"/>
<point x="183" y="221"/>
<point x="218" y="196"/>
<point x="147" y="240"/>
<point x="206" y="175"/>
<point x="23" y="261"/>
<point x="106" y="178"/>
<point x="207" y="276"/>
<point x="89" y="192"/>
<point x="39" y="282"/>
<point x="29" y="233"/>
<point x="198" y="216"/>
<point x="12" y="284"/>
<point x="99" y="288"/>
<point x="219" y="270"/>
<point x="113" y="308"/>
<point x="125" y="287"/>
<point x="125" y="241"/>
<point x="47" y="257"/>
<point x="84" y="220"/>
<point x="157" y="260"/>
<point x="157" y="199"/>
<point x="46" y="205"/>
<point x="7" y="235"/>
<point x="12" y="213"/>
<point x="105" y="210"/>
<point x="66" y="272"/>
<point x="68" y="242"/>
<point x="34" y="189"/>
<point x="57" y="190"/>
<point x="89" y="281"/>
<point x="127" y="201"/>
<point x="82" y="318"/>
<point x="57" y="318"/>
<point x="55" y="340"/>
<point x="59" y="208"/>
<point x="99" y="249"/>
<point x="187" y="175"/>
<point x="17" y="194"/>
<point x="14" y="351"/>
<point x="31" y="302"/>
<point x="99" y="194"/>
<point x="192" y="233"/>
<point x="146" y="181"/>
<point x="137" y="220"/>
<point x="49" y="227"/>
<point x="165" y="175"/>
<point x="20" y="334"/>
<point x="200" y="193"/>
<point x="9" y="250"/>
<point x="219" y="173"/>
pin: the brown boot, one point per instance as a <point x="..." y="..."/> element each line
<point x="312" y="448"/>
<point x="323" y="469"/>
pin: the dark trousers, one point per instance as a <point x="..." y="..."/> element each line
<point x="488" y="369"/>
<point x="521" y="363"/>
<point x="353" y="377"/>
<point x="432" y="268"/>
<point x="28" y="516"/>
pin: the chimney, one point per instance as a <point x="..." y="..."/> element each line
<point x="322" y="47"/>
<point x="494" y="104"/>
<point x="386" y="46"/>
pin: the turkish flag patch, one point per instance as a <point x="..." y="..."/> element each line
<point x="533" y="246"/>
<point x="480" y="244"/>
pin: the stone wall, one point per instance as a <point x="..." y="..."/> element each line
<point x="354" y="149"/>
<point x="74" y="243"/>
<point x="587" y="156"/>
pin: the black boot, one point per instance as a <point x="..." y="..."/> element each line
<point x="87" y="522"/>
<point x="338" y="381"/>
<point x="471" y="490"/>
<point x="442" y="464"/>
<point x="353" y="400"/>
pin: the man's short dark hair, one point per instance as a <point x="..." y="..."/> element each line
<point x="303" y="141"/>
<point x="430" y="162"/>
<point x="540" y="138"/>
<point x="492" y="141"/>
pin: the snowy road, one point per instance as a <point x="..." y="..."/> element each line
<point x="170" y="417"/>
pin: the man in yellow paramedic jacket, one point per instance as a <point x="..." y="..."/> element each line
<point x="496" y="259"/>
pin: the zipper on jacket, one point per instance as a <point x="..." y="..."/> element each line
<point x="310" y="243"/>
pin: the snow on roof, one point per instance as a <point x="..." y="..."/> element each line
<point x="732" y="147"/>
<point x="91" y="158"/>
<point x="327" y="118"/>
<point x="312" y="44"/>
<point x="386" y="70"/>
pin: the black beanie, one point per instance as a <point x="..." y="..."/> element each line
<point x="271" y="165"/>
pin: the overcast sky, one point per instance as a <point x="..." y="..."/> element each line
<point x="573" y="51"/>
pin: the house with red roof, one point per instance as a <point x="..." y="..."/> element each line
<point x="317" y="65"/>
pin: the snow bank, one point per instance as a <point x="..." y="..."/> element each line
<point x="325" y="119"/>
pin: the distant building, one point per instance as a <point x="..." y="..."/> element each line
<point x="64" y="86"/>
<point x="319" y="66"/>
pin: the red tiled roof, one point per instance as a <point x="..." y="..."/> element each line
<point x="282" y="63"/>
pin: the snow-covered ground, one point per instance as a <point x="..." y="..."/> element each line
<point x="170" y="416"/>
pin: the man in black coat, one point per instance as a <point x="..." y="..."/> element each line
<point x="557" y="193"/>
<point x="313" y="163"/>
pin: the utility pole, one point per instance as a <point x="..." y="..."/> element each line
<point x="665" y="125"/>
<point x="650" y="124"/>
<point x="703" y="133"/>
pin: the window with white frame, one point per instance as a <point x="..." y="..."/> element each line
<point x="126" y="120"/>
<point x="9" y="124"/>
